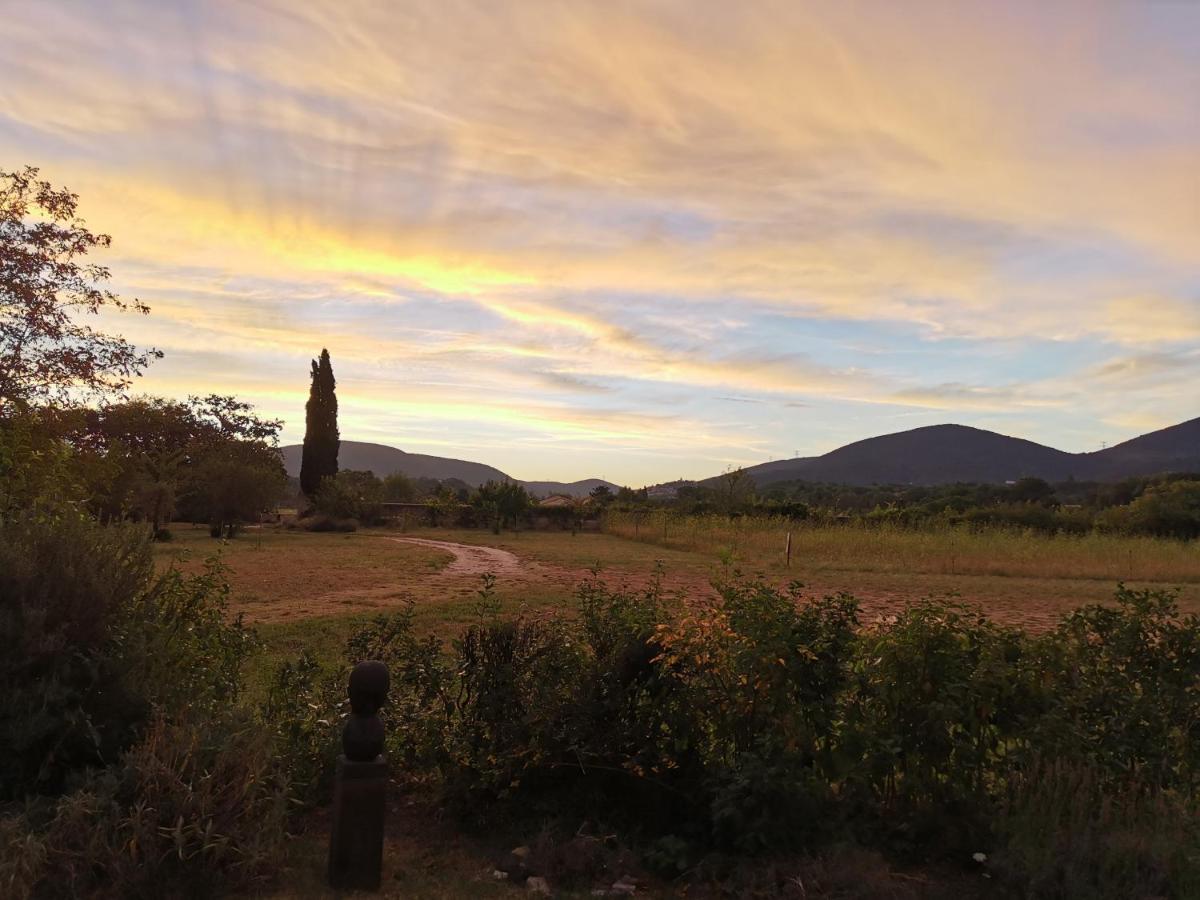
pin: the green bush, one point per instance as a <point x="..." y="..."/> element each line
<point x="195" y="808"/>
<point x="122" y="751"/>
<point x="65" y="582"/>
<point x="95" y="643"/>
<point x="757" y="721"/>
<point x="1064" y="833"/>
<point x="350" y="495"/>
<point x="322" y="522"/>
<point x="1124" y="688"/>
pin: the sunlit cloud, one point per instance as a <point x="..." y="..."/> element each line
<point x="595" y="224"/>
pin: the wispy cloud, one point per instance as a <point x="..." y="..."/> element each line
<point x="585" y="215"/>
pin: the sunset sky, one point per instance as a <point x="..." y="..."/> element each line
<point x="640" y="241"/>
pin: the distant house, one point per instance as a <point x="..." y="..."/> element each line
<point x="662" y="492"/>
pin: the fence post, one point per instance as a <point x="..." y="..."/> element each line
<point x="789" y="550"/>
<point x="360" y="788"/>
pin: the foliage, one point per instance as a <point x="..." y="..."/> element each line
<point x="64" y="583"/>
<point x="144" y="459"/>
<point x="197" y="807"/>
<point x="760" y="721"/>
<point x="399" y="488"/>
<point x="95" y="644"/>
<point x="1064" y="833"/>
<point x="351" y="495"/>
<point x="321" y="439"/>
<point x="601" y="496"/>
<point x="46" y="353"/>
<point x="1125" y="690"/>
<point x="501" y="503"/>
<point x="1168" y="509"/>
<point x="234" y="484"/>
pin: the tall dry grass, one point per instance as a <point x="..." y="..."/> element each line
<point x="885" y="547"/>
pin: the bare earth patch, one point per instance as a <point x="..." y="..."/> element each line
<point x="469" y="560"/>
<point x="281" y="577"/>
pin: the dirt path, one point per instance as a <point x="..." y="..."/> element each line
<point x="470" y="560"/>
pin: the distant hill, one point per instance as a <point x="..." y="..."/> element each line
<point x="1173" y="449"/>
<point x="384" y="460"/>
<point x="571" y="489"/>
<point x="942" y="454"/>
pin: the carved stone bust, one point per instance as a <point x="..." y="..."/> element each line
<point x="362" y="738"/>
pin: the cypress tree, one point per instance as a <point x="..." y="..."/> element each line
<point x="321" y="439"/>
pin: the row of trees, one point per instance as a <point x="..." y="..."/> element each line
<point x="1165" y="505"/>
<point x="67" y="431"/>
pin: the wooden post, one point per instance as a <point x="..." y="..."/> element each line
<point x="789" y="550"/>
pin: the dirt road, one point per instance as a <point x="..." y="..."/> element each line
<point x="469" y="559"/>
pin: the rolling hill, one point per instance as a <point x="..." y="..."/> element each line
<point x="1175" y="449"/>
<point x="384" y="460"/>
<point x="942" y="454"/>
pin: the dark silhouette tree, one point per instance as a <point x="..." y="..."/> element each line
<point x="46" y="354"/>
<point x="321" y="439"/>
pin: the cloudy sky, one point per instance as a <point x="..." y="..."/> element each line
<point x="640" y="240"/>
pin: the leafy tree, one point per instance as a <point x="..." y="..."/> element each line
<point x="321" y="438"/>
<point x="502" y="502"/>
<point x="1031" y="490"/>
<point x="735" y="489"/>
<point x="138" y="458"/>
<point x="399" y="488"/>
<point x="233" y="484"/>
<point x="351" y="495"/>
<point x="602" y="496"/>
<point x="1169" y="509"/>
<point x="46" y="354"/>
<point x="629" y="496"/>
<point x="445" y="504"/>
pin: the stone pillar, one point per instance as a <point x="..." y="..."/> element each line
<point x="360" y="790"/>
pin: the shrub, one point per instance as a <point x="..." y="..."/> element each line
<point x="351" y="495"/>
<point x="306" y="704"/>
<point x="757" y="721"/>
<point x="323" y="522"/>
<point x="194" y="809"/>
<point x="64" y="581"/>
<point x="1168" y="509"/>
<point x="119" y="733"/>
<point x="1062" y="833"/>
<point x="95" y="643"/>
<point x="1124" y="690"/>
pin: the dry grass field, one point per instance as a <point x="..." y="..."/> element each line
<point x="880" y="548"/>
<point x="304" y="590"/>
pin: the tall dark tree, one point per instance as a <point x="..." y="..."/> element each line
<point x="321" y="439"/>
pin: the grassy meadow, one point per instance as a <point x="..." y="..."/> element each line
<point x="760" y="543"/>
<point x="310" y="591"/>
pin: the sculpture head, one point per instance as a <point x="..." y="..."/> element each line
<point x="368" y="687"/>
<point x="362" y="738"/>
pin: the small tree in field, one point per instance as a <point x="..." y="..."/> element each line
<point x="502" y="502"/>
<point x="233" y="484"/>
<point x="735" y="489"/>
<point x="46" y="354"/>
<point x="399" y="488"/>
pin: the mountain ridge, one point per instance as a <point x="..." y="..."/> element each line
<point x="929" y="455"/>
<point x="384" y="460"/>
<point x="944" y="454"/>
